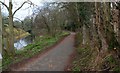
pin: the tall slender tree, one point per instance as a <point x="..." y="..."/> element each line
<point x="0" y="30"/>
<point x="11" y="36"/>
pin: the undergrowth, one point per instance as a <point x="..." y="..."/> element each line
<point x="89" y="59"/>
<point x="110" y="63"/>
<point x="84" y="55"/>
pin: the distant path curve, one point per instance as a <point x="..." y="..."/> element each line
<point x="55" y="59"/>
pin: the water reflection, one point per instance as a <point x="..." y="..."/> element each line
<point x="19" y="44"/>
<point x="0" y="56"/>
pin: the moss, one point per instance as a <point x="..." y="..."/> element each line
<point x="78" y="39"/>
<point x="116" y="69"/>
<point x="110" y="62"/>
<point x="111" y="59"/>
<point x="76" y="68"/>
<point x="113" y="42"/>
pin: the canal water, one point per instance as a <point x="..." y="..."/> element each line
<point x="19" y="44"/>
<point x="0" y="56"/>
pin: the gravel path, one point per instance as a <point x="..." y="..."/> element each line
<point x="55" y="59"/>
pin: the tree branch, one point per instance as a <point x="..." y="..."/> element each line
<point x="28" y="1"/>
<point x="5" y="5"/>
<point x="18" y="19"/>
<point x="19" y="8"/>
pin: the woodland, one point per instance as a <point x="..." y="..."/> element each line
<point x="96" y="26"/>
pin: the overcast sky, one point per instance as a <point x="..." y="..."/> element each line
<point x="24" y="11"/>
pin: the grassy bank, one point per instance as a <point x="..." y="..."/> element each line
<point x="40" y="44"/>
<point x="18" y="33"/>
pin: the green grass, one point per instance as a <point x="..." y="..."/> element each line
<point x="40" y="44"/>
<point x="117" y="69"/>
<point x="77" y="68"/>
<point x="0" y="62"/>
<point x="113" y="63"/>
<point x="110" y="59"/>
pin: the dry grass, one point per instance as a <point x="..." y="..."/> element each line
<point x="18" y="33"/>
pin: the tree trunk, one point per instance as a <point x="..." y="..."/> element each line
<point x="11" y="34"/>
<point x="100" y="31"/>
<point x="78" y="16"/>
<point x="84" y="35"/>
<point x="47" y="26"/>
<point x="118" y="29"/>
<point x="0" y="30"/>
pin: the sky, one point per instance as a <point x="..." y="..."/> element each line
<point x="24" y="11"/>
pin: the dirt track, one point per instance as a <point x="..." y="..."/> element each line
<point x="55" y="59"/>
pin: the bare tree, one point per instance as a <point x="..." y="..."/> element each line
<point x="11" y="14"/>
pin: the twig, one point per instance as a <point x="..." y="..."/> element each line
<point x="5" y="5"/>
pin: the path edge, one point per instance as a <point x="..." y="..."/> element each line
<point x="24" y="62"/>
<point x="71" y="58"/>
